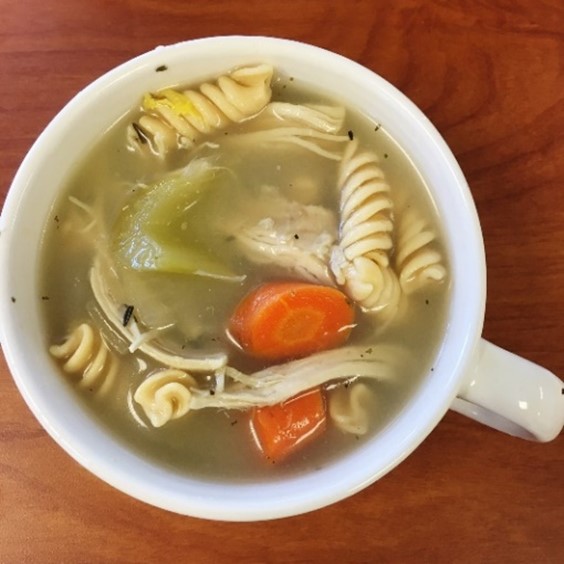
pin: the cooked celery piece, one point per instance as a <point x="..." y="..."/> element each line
<point x="154" y="230"/>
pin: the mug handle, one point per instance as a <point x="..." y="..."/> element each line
<point x="513" y="395"/>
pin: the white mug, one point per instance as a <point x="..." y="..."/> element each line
<point x="470" y="375"/>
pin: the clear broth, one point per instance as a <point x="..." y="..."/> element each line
<point x="218" y="444"/>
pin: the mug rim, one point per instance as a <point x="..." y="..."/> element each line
<point x="216" y="500"/>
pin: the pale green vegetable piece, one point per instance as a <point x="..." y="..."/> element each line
<point x="153" y="231"/>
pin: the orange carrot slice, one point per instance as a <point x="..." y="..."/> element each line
<point x="286" y="427"/>
<point x="283" y="320"/>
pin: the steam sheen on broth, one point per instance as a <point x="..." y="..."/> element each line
<point x="223" y="208"/>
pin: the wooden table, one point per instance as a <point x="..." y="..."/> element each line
<point x="490" y="76"/>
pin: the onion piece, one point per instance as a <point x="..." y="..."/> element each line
<point x="131" y="332"/>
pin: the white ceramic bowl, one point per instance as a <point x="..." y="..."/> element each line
<point x="45" y="171"/>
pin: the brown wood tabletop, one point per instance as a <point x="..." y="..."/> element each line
<point x="490" y="76"/>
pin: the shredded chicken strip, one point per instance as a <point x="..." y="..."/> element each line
<point x="287" y="234"/>
<point x="279" y="383"/>
<point x="197" y="362"/>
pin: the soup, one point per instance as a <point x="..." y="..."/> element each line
<point x="253" y="280"/>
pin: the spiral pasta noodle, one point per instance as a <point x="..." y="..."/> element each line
<point x="165" y="395"/>
<point x="366" y="208"/>
<point x="171" y="117"/>
<point x="418" y="262"/>
<point x="361" y="261"/>
<point x="348" y="408"/>
<point x="85" y="352"/>
<point x="374" y="287"/>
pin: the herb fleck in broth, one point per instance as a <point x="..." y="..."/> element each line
<point x="194" y="309"/>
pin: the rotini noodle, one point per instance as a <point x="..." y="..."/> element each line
<point x="174" y="118"/>
<point x="86" y="353"/>
<point x="417" y="261"/>
<point x="349" y="408"/>
<point x="374" y="287"/>
<point x="366" y="208"/>
<point x="165" y="395"/>
<point x="361" y="260"/>
<point x="152" y="130"/>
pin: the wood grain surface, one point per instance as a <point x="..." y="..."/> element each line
<point x="490" y="76"/>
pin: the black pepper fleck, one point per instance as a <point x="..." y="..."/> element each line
<point x="350" y="134"/>
<point x="161" y="68"/>
<point x="13" y="300"/>
<point x="378" y="126"/>
<point x="385" y="155"/>
<point x="127" y="314"/>
<point x="426" y="302"/>
<point x="141" y="135"/>
<point x="212" y="392"/>
<point x="296" y="236"/>
<point x="44" y="297"/>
